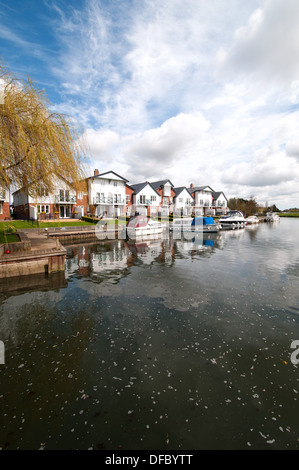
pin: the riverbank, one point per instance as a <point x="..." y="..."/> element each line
<point x="35" y="253"/>
<point x="39" y="250"/>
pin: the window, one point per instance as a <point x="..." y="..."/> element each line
<point x="128" y="198"/>
<point x="115" y="183"/>
<point x="142" y="199"/>
<point x="1" y="207"/>
<point x="43" y="192"/>
<point x="153" y="198"/>
<point x="43" y="209"/>
<point x="80" y="195"/>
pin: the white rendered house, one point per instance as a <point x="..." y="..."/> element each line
<point x="107" y="192"/>
<point x="220" y="202"/>
<point x="203" y="200"/>
<point x="182" y="202"/>
<point x="145" y="199"/>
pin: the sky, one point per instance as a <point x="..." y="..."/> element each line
<point x="194" y="91"/>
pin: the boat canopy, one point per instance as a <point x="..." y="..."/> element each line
<point x="138" y="221"/>
<point x="203" y="221"/>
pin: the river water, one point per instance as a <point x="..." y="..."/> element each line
<point x="164" y="344"/>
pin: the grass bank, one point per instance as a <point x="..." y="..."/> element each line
<point x="288" y="214"/>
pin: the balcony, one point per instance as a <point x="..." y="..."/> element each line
<point x="144" y="202"/>
<point x="65" y="198"/>
<point x="109" y="200"/>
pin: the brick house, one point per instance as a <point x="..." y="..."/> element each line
<point x="4" y="204"/>
<point x="61" y="203"/>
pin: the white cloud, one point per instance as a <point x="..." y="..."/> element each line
<point x="174" y="136"/>
<point x="190" y="90"/>
<point x="268" y="44"/>
<point x="101" y="143"/>
<point x="292" y="149"/>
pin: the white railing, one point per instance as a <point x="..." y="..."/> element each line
<point x="108" y="200"/>
<point x="71" y="199"/>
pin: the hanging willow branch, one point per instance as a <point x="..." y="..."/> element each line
<point x="37" y="146"/>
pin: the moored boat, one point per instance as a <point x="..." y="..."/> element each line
<point x="252" y="219"/>
<point x="272" y="217"/>
<point x="141" y="225"/>
<point x="233" y="220"/>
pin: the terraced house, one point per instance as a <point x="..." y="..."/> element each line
<point x="109" y="194"/>
<point x="145" y="200"/>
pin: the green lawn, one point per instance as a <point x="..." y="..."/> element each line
<point x="13" y="225"/>
<point x="9" y="238"/>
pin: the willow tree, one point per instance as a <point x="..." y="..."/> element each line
<point x="37" y="146"/>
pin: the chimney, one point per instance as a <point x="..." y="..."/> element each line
<point x="191" y="185"/>
<point x="96" y="172"/>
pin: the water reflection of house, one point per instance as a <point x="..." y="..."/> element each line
<point x="109" y="258"/>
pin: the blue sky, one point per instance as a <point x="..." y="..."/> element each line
<point x="195" y="91"/>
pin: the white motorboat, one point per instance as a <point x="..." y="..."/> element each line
<point x="141" y="226"/>
<point x="233" y="220"/>
<point x="272" y="217"/>
<point x="252" y="219"/>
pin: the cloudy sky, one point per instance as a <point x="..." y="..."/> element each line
<point x="195" y="91"/>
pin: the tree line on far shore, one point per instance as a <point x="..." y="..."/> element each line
<point x="249" y="206"/>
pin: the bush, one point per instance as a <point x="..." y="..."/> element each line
<point x="90" y="219"/>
